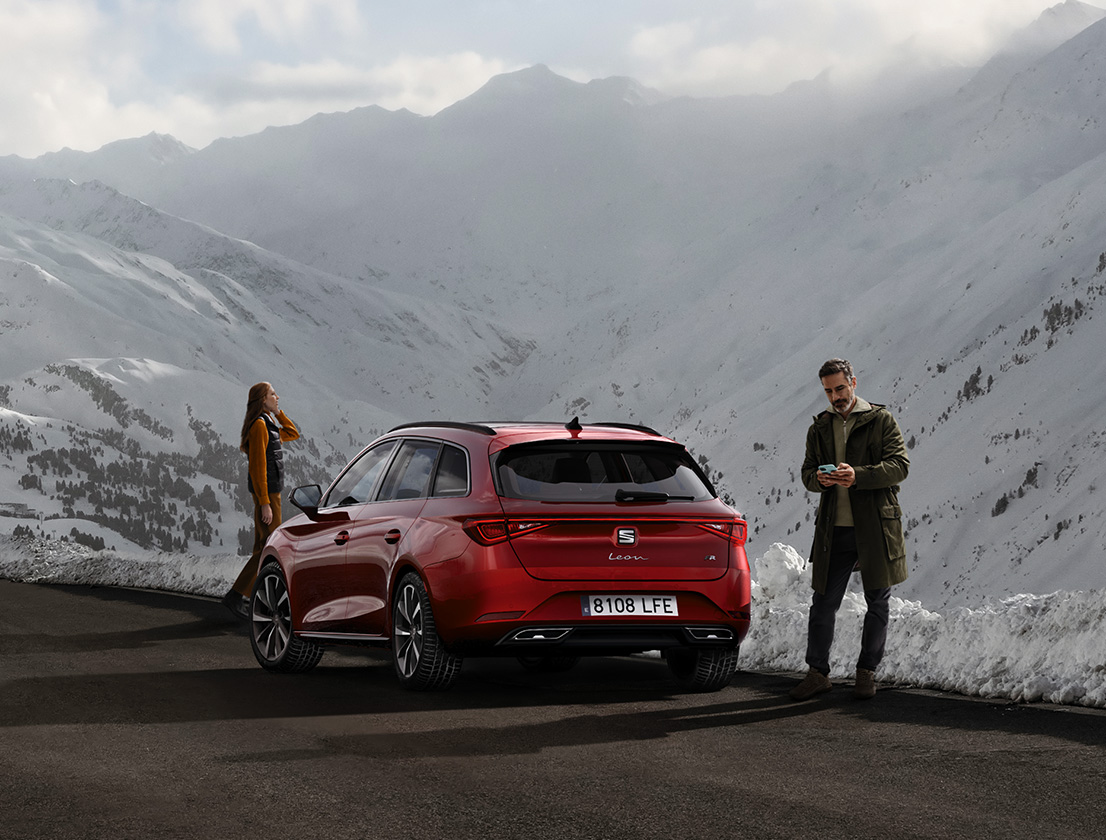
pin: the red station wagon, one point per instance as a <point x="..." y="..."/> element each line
<point x="539" y="541"/>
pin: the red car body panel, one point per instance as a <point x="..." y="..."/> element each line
<point x="342" y="574"/>
<point x="313" y="556"/>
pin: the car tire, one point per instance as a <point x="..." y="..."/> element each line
<point x="274" y="644"/>
<point x="420" y="657"/>
<point x="548" y="664"/>
<point x="702" y="670"/>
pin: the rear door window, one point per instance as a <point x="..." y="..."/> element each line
<point x="597" y="472"/>
<point x="452" y="476"/>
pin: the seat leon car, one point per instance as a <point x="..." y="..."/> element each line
<point x="539" y="541"/>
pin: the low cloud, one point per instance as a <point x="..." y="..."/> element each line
<point x="739" y="51"/>
<point x="52" y="83"/>
<point x="64" y="103"/>
<point x="423" y="84"/>
<point x="220" y="24"/>
<point x="81" y="73"/>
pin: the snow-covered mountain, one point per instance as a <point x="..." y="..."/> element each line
<point x="136" y="333"/>
<point x="546" y="248"/>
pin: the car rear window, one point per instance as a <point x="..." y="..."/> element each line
<point x="596" y="472"/>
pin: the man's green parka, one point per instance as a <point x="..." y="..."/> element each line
<point x="876" y="452"/>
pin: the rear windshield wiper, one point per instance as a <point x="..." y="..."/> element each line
<point x="621" y="495"/>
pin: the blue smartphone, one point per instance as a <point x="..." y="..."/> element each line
<point x="827" y="468"/>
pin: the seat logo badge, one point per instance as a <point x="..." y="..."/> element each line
<point x="625" y="536"/>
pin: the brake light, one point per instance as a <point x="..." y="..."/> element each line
<point x="734" y="530"/>
<point x="492" y="531"/>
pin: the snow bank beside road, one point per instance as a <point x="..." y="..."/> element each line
<point x="54" y="561"/>
<point x="1027" y="648"/>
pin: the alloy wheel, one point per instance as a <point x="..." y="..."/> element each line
<point x="409" y="631"/>
<point x="271" y="618"/>
<point x="422" y="661"/>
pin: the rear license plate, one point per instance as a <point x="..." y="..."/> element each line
<point x="640" y="605"/>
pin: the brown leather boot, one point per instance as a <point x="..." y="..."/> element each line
<point x="813" y="684"/>
<point x="865" y="688"/>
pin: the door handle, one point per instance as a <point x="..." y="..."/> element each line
<point x="392" y="537"/>
<point x="342" y="538"/>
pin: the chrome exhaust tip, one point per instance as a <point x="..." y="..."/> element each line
<point x="539" y="634"/>
<point x="710" y="634"/>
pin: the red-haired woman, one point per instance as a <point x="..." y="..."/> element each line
<point x="265" y="428"/>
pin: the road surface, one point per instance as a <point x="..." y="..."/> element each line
<point x="127" y="714"/>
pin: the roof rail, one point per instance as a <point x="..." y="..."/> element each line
<point x="446" y="424"/>
<point x="485" y="429"/>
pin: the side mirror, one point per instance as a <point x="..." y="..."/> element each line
<point x="307" y="499"/>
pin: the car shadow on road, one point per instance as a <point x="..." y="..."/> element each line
<point x="753" y="699"/>
<point x="525" y="738"/>
<point x="353" y="683"/>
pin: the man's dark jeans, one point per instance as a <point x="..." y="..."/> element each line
<point x="823" y="610"/>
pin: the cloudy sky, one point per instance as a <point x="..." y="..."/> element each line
<point x="81" y="73"/>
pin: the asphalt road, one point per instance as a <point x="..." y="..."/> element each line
<point x="129" y="714"/>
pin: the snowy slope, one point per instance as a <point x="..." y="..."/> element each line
<point x="130" y="337"/>
<point x="139" y="278"/>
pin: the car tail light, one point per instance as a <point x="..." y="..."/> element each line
<point x="734" y="529"/>
<point x="492" y="531"/>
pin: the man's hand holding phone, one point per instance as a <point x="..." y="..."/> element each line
<point x="830" y="474"/>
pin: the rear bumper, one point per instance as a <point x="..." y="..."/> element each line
<point x="482" y="604"/>
<point x="614" y="639"/>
